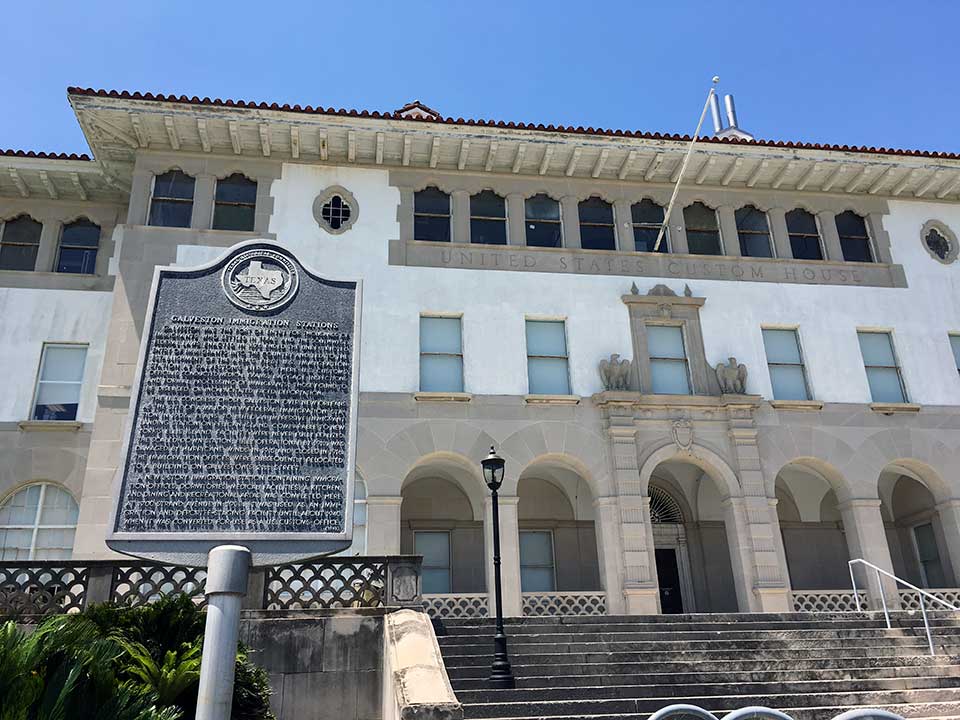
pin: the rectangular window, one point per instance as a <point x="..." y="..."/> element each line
<point x="435" y="549"/>
<point x="668" y="360"/>
<point x="79" y="242"/>
<point x="883" y="372"/>
<point x="787" y="373"/>
<point x="171" y="204"/>
<point x="441" y="354"/>
<point x="955" y="346"/>
<point x="547" y="372"/>
<point x="536" y="561"/>
<point x="544" y="228"/>
<point x="19" y="243"/>
<point x="235" y="203"/>
<point x="60" y="380"/>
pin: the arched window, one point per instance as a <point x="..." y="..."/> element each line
<point x="172" y="201"/>
<point x="431" y="215"/>
<point x="488" y="219"/>
<point x="663" y="508"/>
<point x="544" y="227"/>
<point x="596" y="225"/>
<point x="19" y="242"/>
<point x="753" y="231"/>
<point x="235" y="204"/>
<point x="79" y="242"/>
<point x="804" y="235"/>
<point x="703" y="233"/>
<point x="38" y="523"/>
<point x="647" y="218"/>
<point x="854" y="239"/>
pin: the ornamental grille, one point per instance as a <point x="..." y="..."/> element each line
<point x="663" y="508"/>
<point x="335" y="212"/>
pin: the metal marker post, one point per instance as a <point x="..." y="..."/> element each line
<point x="227" y="569"/>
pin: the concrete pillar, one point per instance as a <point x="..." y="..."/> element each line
<point x="831" y="239"/>
<point x="729" y="237"/>
<point x="140" y="188"/>
<point x="867" y="539"/>
<point x="949" y="511"/>
<point x="460" y="207"/>
<point x="609" y="547"/>
<point x="570" y="217"/>
<point x="47" y="252"/>
<point x="778" y="230"/>
<point x="509" y="554"/>
<point x="203" y="192"/>
<point x="678" y="231"/>
<point x="516" y="215"/>
<point x="623" y="220"/>
<point x="383" y="524"/>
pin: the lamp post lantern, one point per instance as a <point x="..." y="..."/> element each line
<point x="501" y="676"/>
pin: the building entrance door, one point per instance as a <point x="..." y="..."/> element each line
<point x="668" y="574"/>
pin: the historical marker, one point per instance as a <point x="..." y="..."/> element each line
<point x="243" y="416"/>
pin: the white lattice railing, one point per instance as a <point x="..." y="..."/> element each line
<point x="910" y="600"/>
<point x="456" y="605"/>
<point x="826" y="601"/>
<point x="565" y="603"/>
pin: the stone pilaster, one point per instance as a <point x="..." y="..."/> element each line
<point x="264" y="207"/>
<point x="460" y="207"/>
<point x="140" y="189"/>
<point x="516" y="214"/>
<point x="623" y="219"/>
<point x="203" y="193"/>
<point x="678" y="231"/>
<point x="570" y="216"/>
<point x="729" y="237"/>
<point x="867" y="539"/>
<point x="383" y="524"/>
<point x="831" y="239"/>
<point x="778" y="231"/>
<point x="47" y="252"/>
<point x="607" y="518"/>
<point x="509" y="554"/>
<point x="949" y="511"/>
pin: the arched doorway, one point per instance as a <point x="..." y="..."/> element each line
<point x="671" y="552"/>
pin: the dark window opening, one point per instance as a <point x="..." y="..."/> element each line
<point x="754" y="232"/>
<point x="79" y="242"/>
<point x="336" y="212"/>
<point x="647" y="219"/>
<point x="703" y="233"/>
<point x="488" y="219"/>
<point x="543" y="222"/>
<point x="19" y="243"/>
<point x="431" y="215"/>
<point x="235" y="204"/>
<point x="172" y="203"/>
<point x="597" y="231"/>
<point x="804" y="235"/>
<point x="937" y="243"/>
<point x="854" y="239"/>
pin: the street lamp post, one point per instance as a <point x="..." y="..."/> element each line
<point x="501" y="676"/>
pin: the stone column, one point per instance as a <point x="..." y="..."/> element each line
<point x="203" y="192"/>
<point x="778" y="539"/>
<point x="570" y="218"/>
<point x="383" y="524"/>
<point x="867" y="539"/>
<point x="779" y="233"/>
<point x="949" y="511"/>
<point x="509" y="554"/>
<point x="831" y="239"/>
<point x="460" y="207"/>
<point x="623" y="219"/>
<point x="516" y="214"/>
<point x="741" y="562"/>
<point x="142" y="185"/>
<point x="264" y="207"/>
<point x="610" y="549"/>
<point x="729" y="236"/>
<point x="47" y="252"/>
<point x="678" y="231"/>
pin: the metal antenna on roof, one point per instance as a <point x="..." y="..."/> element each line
<point x="683" y="167"/>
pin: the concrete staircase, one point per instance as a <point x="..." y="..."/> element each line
<point x="811" y="666"/>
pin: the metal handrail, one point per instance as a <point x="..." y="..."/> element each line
<point x="883" y="598"/>
<point x="763" y="713"/>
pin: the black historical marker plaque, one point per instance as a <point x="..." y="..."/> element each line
<point x="242" y="424"/>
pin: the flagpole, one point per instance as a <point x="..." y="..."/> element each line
<point x="683" y="167"/>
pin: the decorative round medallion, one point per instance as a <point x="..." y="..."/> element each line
<point x="335" y="209"/>
<point x="260" y="280"/>
<point x="939" y="241"/>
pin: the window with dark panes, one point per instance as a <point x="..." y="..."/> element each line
<point x="19" y="243"/>
<point x="703" y="232"/>
<point x="754" y="232"/>
<point x="537" y="567"/>
<point x="235" y="204"/>
<point x="79" y="242"/>
<point x="804" y="235"/>
<point x="431" y="215"/>
<point x="647" y="218"/>
<point x="544" y="227"/>
<point x="488" y="219"/>
<point x="854" y="239"/>
<point x="172" y="201"/>
<point x="596" y="225"/>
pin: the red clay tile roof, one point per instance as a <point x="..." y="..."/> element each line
<point x="44" y="155"/>
<point x="309" y="109"/>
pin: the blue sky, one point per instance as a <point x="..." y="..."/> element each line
<point x="882" y="72"/>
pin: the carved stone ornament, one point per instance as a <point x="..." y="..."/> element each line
<point x="661" y="290"/>
<point x="732" y="377"/>
<point x="336" y="209"/>
<point x="939" y="241"/>
<point x="615" y="373"/>
<point x="682" y="433"/>
<point x="260" y="280"/>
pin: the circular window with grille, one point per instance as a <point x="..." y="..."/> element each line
<point x="663" y="508"/>
<point x="939" y="241"/>
<point x="335" y="209"/>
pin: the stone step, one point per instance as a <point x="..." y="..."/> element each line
<point x="931" y="711"/>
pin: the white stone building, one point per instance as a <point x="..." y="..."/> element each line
<point x="501" y="264"/>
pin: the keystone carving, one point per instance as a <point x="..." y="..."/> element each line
<point x="732" y="376"/>
<point x="615" y="373"/>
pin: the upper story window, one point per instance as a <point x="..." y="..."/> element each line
<point x="431" y="215"/>
<point x="172" y="202"/>
<point x="59" y="382"/>
<point x="669" y="373"/>
<point x="880" y="362"/>
<point x="441" y="354"/>
<point x="754" y="232"/>
<point x="597" y="230"/>
<point x="537" y="572"/>
<point x="647" y="218"/>
<point x="19" y="243"/>
<point x="543" y="225"/>
<point x="804" y="235"/>
<point x="79" y="242"/>
<point x="785" y="362"/>
<point x="488" y="219"/>
<point x="703" y="232"/>
<point x="235" y="204"/>
<point x="38" y="523"/>
<point x="547" y="372"/>
<point x="854" y="239"/>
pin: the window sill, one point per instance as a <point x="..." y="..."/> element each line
<point x="551" y="399"/>
<point x="50" y="425"/>
<point x="892" y="408"/>
<point x="801" y="405"/>
<point x="442" y="397"/>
